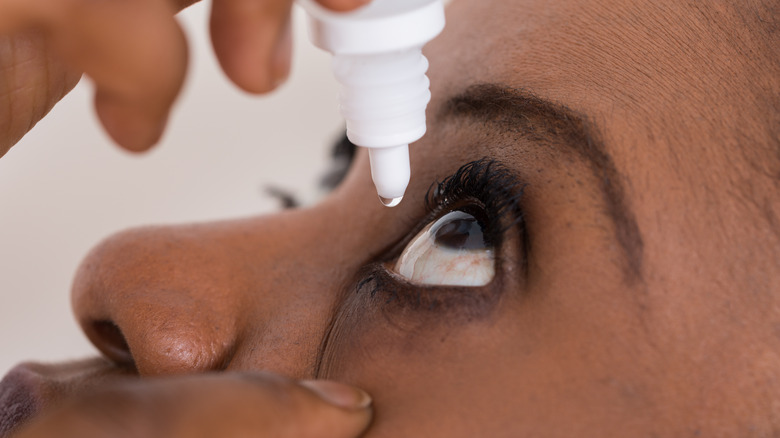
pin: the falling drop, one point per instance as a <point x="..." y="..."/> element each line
<point x="390" y="202"/>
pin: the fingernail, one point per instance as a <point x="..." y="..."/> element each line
<point x="134" y="128"/>
<point x="339" y="394"/>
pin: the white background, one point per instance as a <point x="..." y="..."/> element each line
<point x="65" y="186"/>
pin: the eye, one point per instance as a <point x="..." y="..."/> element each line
<point x="451" y="251"/>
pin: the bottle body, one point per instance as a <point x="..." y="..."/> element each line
<point x="383" y="96"/>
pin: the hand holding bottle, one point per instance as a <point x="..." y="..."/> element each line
<point x="136" y="54"/>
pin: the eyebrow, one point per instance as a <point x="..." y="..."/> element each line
<point x="547" y="123"/>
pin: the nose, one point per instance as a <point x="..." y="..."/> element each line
<point x="245" y="294"/>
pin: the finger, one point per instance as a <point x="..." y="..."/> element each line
<point x="258" y="404"/>
<point x="347" y="412"/>
<point x="252" y="41"/>
<point x="227" y="405"/>
<point x="32" y="80"/>
<point x="265" y="404"/>
<point x="343" y="5"/>
<point x="134" y="51"/>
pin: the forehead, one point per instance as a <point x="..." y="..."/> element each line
<point x="670" y="86"/>
<point x="565" y="51"/>
<point x="579" y="54"/>
<point x="629" y="66"/>
<point x="562" y="46"/>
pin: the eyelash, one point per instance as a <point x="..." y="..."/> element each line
<point x="488" y="184"/>
<point x="484" y="188"/>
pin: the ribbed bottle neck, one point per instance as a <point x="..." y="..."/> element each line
<point x="383" y="96"/>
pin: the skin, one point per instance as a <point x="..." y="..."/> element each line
<point x="673" y="333"/>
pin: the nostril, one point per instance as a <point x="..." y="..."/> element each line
<point x="110" y="340"/>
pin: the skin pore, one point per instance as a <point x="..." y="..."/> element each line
<point x="635" y="295"/>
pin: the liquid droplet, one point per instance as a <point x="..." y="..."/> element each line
<point x="390" y="202"/>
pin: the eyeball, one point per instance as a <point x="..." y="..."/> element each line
<point x="451" y="251"/>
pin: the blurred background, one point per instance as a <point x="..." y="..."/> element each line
<point x="66" y="186"/>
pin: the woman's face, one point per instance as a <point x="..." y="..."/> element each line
<point x="611" y="258"/>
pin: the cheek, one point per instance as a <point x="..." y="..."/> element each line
<point x="428" y="377"/>
<point x="376" y="340"/>
<point x="524" y="366"/>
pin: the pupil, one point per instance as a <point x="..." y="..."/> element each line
<point x="461" y="232"/>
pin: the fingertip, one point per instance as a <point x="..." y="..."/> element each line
<point x="248" y="74"/>
<point x="253" y="43"/>
<point x="339" y="394"/>
<point x="347" y="411"/>
<point x="343" y="5"/>
<point x="132" y="127"/>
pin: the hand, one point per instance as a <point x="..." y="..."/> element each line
<point x="136" y="54"/>
<point x="213" y="405"/>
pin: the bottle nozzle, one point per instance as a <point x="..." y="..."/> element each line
<point x="390" y="172"/>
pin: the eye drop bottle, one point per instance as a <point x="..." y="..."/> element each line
<point x="383" y="89"/>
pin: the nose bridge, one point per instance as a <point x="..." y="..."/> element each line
<point x="296" y="280"/>
<point x="202" y="297"/>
